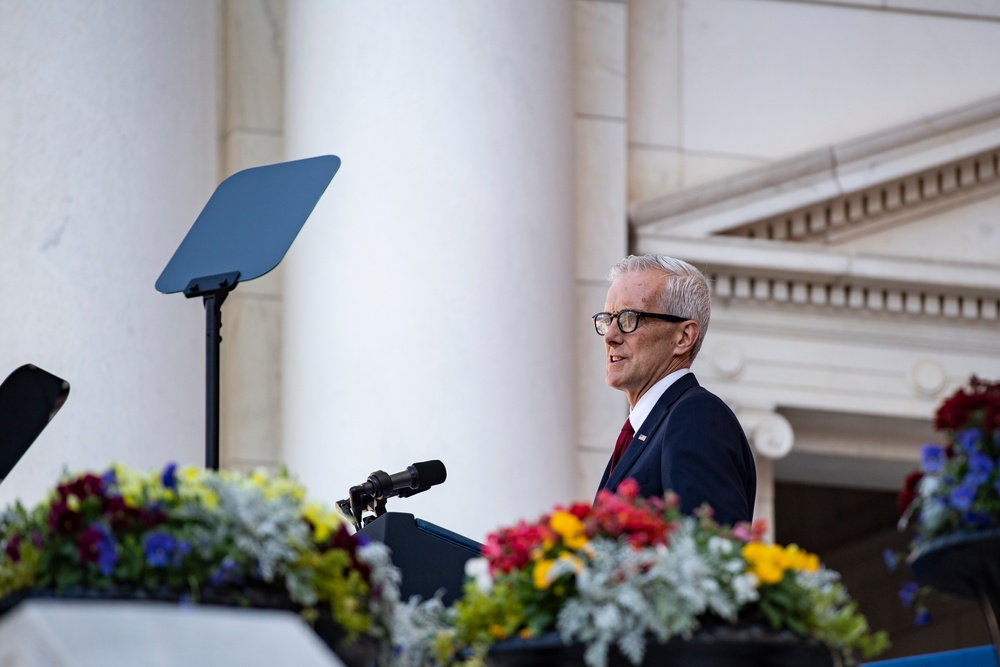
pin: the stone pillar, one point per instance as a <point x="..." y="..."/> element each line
<point x="601" y="219"/>
<point x="107" y="155"/>
<point x="429" y="300"/>
<point x="771" y="437"/>
<point x="253" y="135"/>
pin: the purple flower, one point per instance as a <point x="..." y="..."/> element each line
<point x="169" y="477"/>
<point x="962" y="496"/>
<point x="908" y="593"/>
<point x="891" y="560"/>
<point x="158" y="548"/>
<point x="931" y="458"/>
<point x="923" y="617"/>
<point x="968" y="439"/>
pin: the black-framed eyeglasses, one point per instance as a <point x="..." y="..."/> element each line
<point x="628" y="320"/>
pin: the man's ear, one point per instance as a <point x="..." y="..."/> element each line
<point x="687" y="336"/>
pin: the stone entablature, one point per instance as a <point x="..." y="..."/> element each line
<point x="823" y="276"/>
<point x="833" y="193"/>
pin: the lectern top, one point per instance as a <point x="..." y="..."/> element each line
<point x="249" y="222"/>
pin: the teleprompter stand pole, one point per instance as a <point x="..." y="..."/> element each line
<point x="242" y="233"/>
<point x="213" y="290"/>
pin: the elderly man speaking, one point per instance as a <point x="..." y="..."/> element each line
<point x="678" y="436"/>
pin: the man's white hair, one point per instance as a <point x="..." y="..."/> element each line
<point x="686" y="293"/>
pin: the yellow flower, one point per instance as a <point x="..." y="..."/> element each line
<point x="769" y="562"/>
<point x="324" y="521"/>
<point x="497" y="631"/>
<point x="259" y="479"/>
<point x="73" y="502"/>
<point x="768" y="572"/>
<point x="569" y="528"/>
<point x="540" y="574"/>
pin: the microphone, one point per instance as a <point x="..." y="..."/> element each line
<point x="417" y="478"/>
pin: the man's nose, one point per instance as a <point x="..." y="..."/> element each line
<point x="614" y="333"/>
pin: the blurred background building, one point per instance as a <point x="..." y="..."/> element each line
<point x="832" y="165"/>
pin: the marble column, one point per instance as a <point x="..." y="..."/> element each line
<point x="107" y="155"/>
<point x="429" y="299"/>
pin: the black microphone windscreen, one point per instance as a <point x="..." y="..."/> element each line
<point x="430" y="473"/>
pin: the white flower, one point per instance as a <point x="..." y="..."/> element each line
<point x="928" y="485"/>
<point x="478" y="569"/>
<point x="719" y="546"/>
<point x="933" y="515"/>
<point x="745" y="588"/>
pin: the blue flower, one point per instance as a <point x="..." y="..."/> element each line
<point x="169" y="478"/>
<point x="977" y="520"/>
<point x="182" y="550"/>
<point x="931" y="458"/>
<point x="109" y="481"/>
<point x="225" y="573"/>
<point x="980" y="469"/>
<point x="923" y="617"/>
<point x="968" y="439"/>
<point x="107" y="552"/>
<point x="908" y="593"/>
<point x="962" y="496"/>
<point x="891" y="561"/>
<point x="158" y="548"/>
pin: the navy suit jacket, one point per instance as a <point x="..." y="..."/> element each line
<point x="692" y="444"/>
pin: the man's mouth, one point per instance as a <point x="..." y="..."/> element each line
<point x="614" y="358"/>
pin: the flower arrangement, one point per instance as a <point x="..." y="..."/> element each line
<point x="194" y="535"/>
<point x="957" y="487"/>
<point x="956" y="490"/>
<point x="630" y="569"/>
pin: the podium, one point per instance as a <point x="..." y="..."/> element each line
<point x="430" y="558"/>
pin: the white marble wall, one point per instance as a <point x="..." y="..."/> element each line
<point x="718" y="86"/>
<point x="107" y="155"/>
<point x="601" y="221"/>
<point x="428" y="300"/>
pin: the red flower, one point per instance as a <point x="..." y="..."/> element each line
<point x="638" y="520"/>
<point x="510" y="549"/>
<point x="82" y="487"/>
<point x="88" y="545"/>
<point x="980" y="401"/>
<point x="13" y="548"/>
<point x="62" y="519"/>
<point x="120" y="515"/>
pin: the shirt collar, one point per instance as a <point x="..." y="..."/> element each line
<point x="646" y="402"/>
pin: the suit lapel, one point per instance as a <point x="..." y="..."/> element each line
<point x="644" y="435"/>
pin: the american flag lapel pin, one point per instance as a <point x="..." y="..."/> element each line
<point x="642" y="438"/>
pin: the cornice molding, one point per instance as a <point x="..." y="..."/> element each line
<point x="833" y="192"/>
<point x="798" y="274"/>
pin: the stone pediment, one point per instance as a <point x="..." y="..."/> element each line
<point x="902" y="221"/>
<point x="845" y="192"/>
